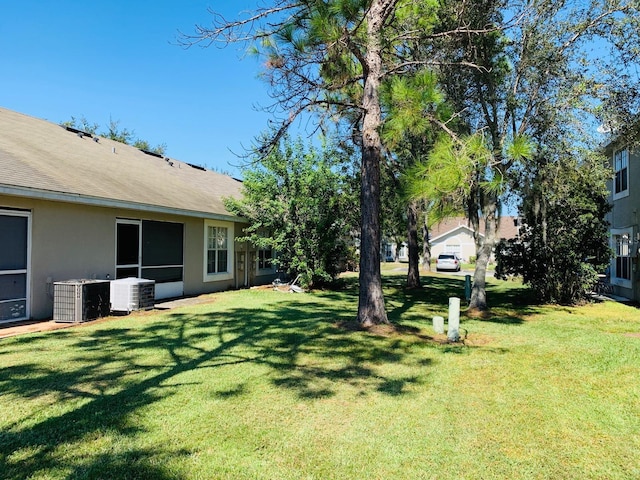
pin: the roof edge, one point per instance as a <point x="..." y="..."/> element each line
<point x="448" y="232"/>
<point x="80" y="199"/>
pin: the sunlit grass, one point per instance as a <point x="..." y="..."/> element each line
<point x="269" y="385"/>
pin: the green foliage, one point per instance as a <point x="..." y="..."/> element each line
<point x="122" y="135"/>
<point x="145" y="145"/>
<point x="300" y="202"/>
<point x="114" y="132"/>
<point x="564" y="242"/>
<point x="413" y="102"/>
<point x="82" y="124"/>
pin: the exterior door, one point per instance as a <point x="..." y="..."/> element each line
<point x="14" y="265"/>
<point x="128" y="248"/>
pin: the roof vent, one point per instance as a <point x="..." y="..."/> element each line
<point x="80" y="133"/>
<point x="153" y="154"/>
<point x="197" y="167"/>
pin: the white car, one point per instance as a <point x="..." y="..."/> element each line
<point x="448" y="261"/>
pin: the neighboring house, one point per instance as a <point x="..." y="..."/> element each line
<point x="76" y="206"/>
<point x="624" y="189"/>
<point x="392" y="252"/>
<point x="452" y="235"/>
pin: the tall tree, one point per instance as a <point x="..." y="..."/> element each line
<point x="518" y="73"/>
<point x="330" y="57"/>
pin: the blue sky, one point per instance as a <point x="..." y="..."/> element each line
<point x="119" y="59"/>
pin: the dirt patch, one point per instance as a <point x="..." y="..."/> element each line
<point x="394" y="330"/>
<point x="632" y="335"/>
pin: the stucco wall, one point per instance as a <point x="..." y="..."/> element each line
<point x="460" y="237"/>
<point x="72" y="241"/>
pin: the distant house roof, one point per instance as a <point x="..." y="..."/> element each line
<point x="507" y="228"/>
<point x="39" y="159"/>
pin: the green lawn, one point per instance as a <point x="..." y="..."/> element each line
<point x="269" y="385"/>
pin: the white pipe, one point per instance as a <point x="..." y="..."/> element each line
<point x="454" y="319"/>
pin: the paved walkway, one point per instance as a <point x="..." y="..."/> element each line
<point x="33" y="326"/>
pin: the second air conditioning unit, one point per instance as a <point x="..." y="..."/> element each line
<point x="129" y="294"/>
<point x="77" y="301"/>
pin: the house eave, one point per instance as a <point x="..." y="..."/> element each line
<point x="449" y="232"/>
<point x="80" y="199"/>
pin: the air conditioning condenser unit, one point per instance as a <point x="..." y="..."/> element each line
<point x="129" y="294"/>
<point x="76" y="301"/>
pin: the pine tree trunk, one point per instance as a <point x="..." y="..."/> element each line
<point x="413" y="277"/>
<point x="484" y="248"/>
<point x="426" y="246"/>
<point x="371" y="308"/>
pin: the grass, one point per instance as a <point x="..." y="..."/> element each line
<point x="267" y="385"/>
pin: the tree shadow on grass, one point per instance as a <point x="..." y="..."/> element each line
<point x="104" y="374"/>
<point x="509" y="304"/>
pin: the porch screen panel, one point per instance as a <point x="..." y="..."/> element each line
<point x="13" y="242"/>
<point x="162" y="251"/>
<point x="163" y="274"/>
<point x="13" y="286"/>
<point x="128" y="244"/>
<point x="14" y="231"/>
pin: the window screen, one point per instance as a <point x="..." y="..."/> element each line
<point x="128" y="243"/>
<point x="162" y="243"/>
<point x="13" y="242"/>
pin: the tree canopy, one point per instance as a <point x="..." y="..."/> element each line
<point x="508" y="76"/>
<point x="299" y="201"/>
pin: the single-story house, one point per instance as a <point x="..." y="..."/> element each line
<point x="79" y="206"/>
<point x="455" y="235"/>
<point x="451" y="235"/>
<point x="624" y="226"/>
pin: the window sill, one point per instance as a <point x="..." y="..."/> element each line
<point x="621" y="282"/>
<point x="217" y="277"/>
<point x="623" y="194"/>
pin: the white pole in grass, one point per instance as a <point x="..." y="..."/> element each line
<point x="453" y="333"/>
<point x="438" y="324"/>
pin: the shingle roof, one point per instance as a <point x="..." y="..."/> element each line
<point x="506" y="229"/>
<point x="36" y="155"/>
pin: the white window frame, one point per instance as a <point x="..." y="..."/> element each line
<point x="219" y="276"/>
<point x="617" y="235"/>
<point x="621" y="166"/>
<point x="269" y="269"/>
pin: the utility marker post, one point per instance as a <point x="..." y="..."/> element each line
<point x="453" y="332"/>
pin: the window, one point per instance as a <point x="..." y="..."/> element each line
<point x="621" y="171"/>
<point x="217" y="250"/>
<point x="265" y="259"/>
<point x="623" y="257"/>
